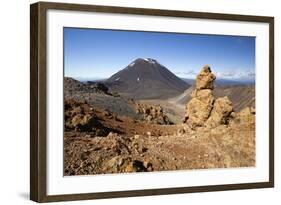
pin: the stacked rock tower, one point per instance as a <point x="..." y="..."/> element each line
<point x="203" y="109"/>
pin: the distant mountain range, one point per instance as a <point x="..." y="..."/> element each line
<point x="146" y="79"/>
<point x="223" y="82"/>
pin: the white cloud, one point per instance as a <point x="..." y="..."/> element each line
<point x="229" y="74"/>
<point x="187" y="74"/>
<point x="236" y="75"/>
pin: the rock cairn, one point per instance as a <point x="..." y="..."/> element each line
<point x="203" y="109"/>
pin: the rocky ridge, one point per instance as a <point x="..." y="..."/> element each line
<point x="152" y="114"/>
<point x="71" y="85"/>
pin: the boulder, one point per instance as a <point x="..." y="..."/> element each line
<point x="247" y="111"/>
<point x="246" y="116"/>
<point x="136" y="166"/>
<point x="221" y="112"/>
<point x="197" y="112"/>
<point x="80" y="117"/>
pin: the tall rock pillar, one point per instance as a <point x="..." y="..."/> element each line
<point x="200" y="106"/>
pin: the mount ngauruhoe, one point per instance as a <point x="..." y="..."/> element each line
<point x="146" y="79"/>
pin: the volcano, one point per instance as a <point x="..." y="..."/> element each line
<point x="146" y="79"/>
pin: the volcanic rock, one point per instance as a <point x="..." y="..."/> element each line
<point x="80" y="117"/>
<point x="221" y="112"/>
<point x="135" y="166"/>
<point x="203" y="109"/>
<point x="71" y="85"/>
<point x="245" y="117"/>
<point x="205" y="79"/>
<point x="200" y="106"/>
<point x="152" y="114"/>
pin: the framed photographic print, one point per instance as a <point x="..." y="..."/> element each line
<point x="134" y="102"/>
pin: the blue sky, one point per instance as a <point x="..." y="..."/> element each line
<point x="94" y="53"/>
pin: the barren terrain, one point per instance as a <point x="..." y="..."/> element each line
<point x="138" y="146"/>
<point x="202" y="128"/>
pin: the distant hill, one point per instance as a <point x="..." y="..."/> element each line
<point x="240" y="95"/>
<point x="98" y="96"/>
<point x="146" y="79"/>
<point x="72" y="85"/>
